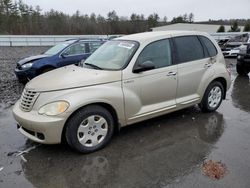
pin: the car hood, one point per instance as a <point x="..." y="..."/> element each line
<point x="31" y="58"/>
<point x="70" y="77"/>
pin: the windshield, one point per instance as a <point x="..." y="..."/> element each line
<point x="112" y="55"/>
<point x="57" y="48"/>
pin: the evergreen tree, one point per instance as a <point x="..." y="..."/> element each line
<point x="178" y="19"/>
<point x="16" y="17"/>
<point x="234" y="27"/>
<point x="247" y="26"/>
<point x="153" y="20"/>
<point x="113" y="22"/>
<point x="191" y="18"/>
<point x="183" y="18"/>
<point x="221" y="29"/>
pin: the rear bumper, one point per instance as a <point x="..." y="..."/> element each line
<point x="39" y="128"/>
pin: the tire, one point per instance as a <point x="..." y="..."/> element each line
<point x="241" y="70"/>
<point x="86" y="137"/>
<point x="213" y="97"/>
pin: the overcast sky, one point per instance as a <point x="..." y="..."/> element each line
<point x="202" y="9"/>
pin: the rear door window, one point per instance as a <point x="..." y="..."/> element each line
<point x="188" y="48"/>
<point x="211" y="49"/>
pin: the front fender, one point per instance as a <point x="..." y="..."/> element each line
<point x="110" y="94"/>
<point x="44" y="62"/>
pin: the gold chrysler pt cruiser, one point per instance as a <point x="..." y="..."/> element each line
<point x="126" y="80"/>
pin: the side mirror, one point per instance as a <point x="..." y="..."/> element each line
<point x="64" y="54"/>
<point x="147" y="65"/>
<point x="80" y="64"/>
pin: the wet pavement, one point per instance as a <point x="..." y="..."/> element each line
<point x="167" y="151"/>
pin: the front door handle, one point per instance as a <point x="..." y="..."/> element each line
<point x="171" y="73"/>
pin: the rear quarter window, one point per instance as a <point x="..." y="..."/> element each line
<point x="211" y="49"/>
<point x="188" y="48"/>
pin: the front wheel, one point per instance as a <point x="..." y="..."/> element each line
<point x="213" y="97"/>
<point x="89" y="129"/>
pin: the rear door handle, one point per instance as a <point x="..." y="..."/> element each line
<point x="171" y="73"/>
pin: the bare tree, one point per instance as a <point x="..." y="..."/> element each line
<point x="191" y="17"/>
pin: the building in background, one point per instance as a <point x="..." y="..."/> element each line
<point x="209" y="28"/>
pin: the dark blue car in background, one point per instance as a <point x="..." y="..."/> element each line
<point x="63" y="54"/>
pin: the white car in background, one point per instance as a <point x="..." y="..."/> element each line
<point x="234" y="51"/>
<point x="234" y="45"/>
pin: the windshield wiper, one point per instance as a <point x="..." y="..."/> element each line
<point x="92" y="65"/>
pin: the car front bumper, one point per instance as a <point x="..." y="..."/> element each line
<point x="230" y="53"/>
<point x="39" y="128"/>
<point x="26" y="74"/>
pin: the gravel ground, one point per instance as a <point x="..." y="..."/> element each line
<point x="10" y="88"/>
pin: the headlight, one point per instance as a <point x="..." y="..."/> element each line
<point x="54" y="108"/>
<point x="27" y="65"/>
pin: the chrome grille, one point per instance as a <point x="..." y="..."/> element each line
<point x="27" y="100"/>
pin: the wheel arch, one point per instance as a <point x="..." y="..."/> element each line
<point x="222" y="81"/>
<point x="41" y="69"/>
<point x="107" y="106"/>
<point x="224" y="84"/>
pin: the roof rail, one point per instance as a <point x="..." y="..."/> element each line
<point x="78" y="39"/>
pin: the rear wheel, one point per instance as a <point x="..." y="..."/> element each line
<point x="241" y="69"/>
<point x="213" y="97"/>
<point x="89" y="129"/>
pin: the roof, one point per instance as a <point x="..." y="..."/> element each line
<point x="148" y="36"/>
<point x="86" y="39"/>
<point x="209" y="28"/>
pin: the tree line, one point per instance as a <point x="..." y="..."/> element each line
<point x="17" y="18"/>
<point x="235" y="27"/>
